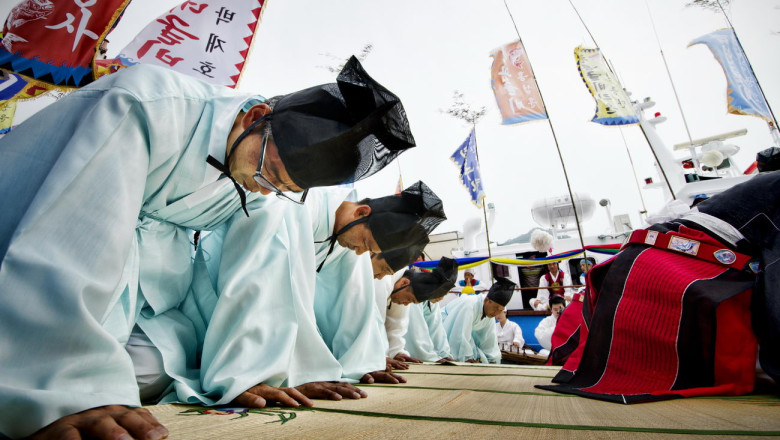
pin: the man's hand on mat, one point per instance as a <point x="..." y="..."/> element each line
<point x="105" y="423"/>
<point x="473" y="361"/>
<point x="393" y="364"/>
<point x="259" y="395"/>
<point x="382" y="377"/>
<point x="407" y="358"/>
<point x="331" y="390"/>
<point x="443" y="360"/>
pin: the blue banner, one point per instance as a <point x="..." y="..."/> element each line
<point x="465" y="157"/>
<point x="743" y="93"/>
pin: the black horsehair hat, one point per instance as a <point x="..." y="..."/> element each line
<point x="340" y="132"/>
<point x="435" y="284"/>
<point x="397" y="259"/>
<point x="501" y="291"/>
<point x="406" y="219"/>
<point x="399" y="221"/>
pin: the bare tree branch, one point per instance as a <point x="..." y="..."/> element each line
<point x="364" y="52"/>
<point x="461" y="110"/>
<point x="711" y="5"/>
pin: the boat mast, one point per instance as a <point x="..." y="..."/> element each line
<point x="692" y="148"/>
<point x="484" y="210"/>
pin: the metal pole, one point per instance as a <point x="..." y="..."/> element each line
<point x="484" y="210"/>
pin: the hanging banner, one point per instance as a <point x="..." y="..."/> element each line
<point x="209" y="41"/>
<point x="613" y="106"/>
<point x="56" y="42"/>
<point x="514" y="85"/>
<point x="465" y="158"/>
<point x="7" y="110"/>
<point x="399" y="188"/>
<point x="10" y="85"/>
<point x="743" y="94"/>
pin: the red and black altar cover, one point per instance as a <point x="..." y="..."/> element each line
<point x="659" y="323"/>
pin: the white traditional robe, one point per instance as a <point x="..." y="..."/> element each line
<point x="544" y="331"/>
<point x="543" y="294"/>
<point x="98" y="192"/>
<point x="425" y="336"/>
<point x="509" y="333"/>
<point x="344" y="303"/>
<point x="395" y="318"/>
<point x="470" y="336"/>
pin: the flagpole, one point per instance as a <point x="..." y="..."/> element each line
<point x="555" y="138"/>
<point x="628" y="152"/>
<point x="641" y="127"/>
<point x="484" y="210"/>
<point x="739" y="43"/>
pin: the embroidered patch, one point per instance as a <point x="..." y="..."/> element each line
<point x="725" y="256"/>
<point x="755" y="266"/>
<point x="651" y="237"/>
<point x="281" y="416"/>
<point x="679" y="244"/>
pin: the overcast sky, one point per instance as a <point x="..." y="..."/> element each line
<point x="424" y="50"/>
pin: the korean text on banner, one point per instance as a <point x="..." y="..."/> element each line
<point x="209" y="41"/>
<point x="514" y="85"/>
<point x="56" y="42"/>
<point x="465" y="158"/>
<point x="743" y="93"/>
<point x="613" y="106"/>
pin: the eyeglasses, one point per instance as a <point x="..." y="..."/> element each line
<point x="265" y="183"/>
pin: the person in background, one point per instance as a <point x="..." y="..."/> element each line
<point x="508" y="332"/>
<point x="550" y="284"/>
<point x="467" y="283"/>
<point x="585" y="265"/>
<point x="546" y="326"/>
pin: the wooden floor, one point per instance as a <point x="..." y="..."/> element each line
<point x="481" y="402"/>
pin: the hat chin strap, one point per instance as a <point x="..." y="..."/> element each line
<point x="333" y="238"/>
<point x="225" y="168"/>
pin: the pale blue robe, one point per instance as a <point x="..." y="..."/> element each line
<point x="344" y="302"/>
<point x="470" y="336"/>
<point x="254" y="306"/>
<point x="97" y="192"/>
<point x="425" y="336"/>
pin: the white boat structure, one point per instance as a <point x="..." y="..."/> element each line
<point x="704" y="166"/>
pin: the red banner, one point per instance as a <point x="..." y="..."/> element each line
<point x="56" y="42"/>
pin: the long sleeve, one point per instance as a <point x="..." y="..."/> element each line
<point x="542" y="295"/>
<point x="262" y="329"/>
<point x="432" y="314"/>
<point x="346" y="315"/>
<point x="458" y="323"/>
<point x="510" y="333"/>
<point x="83" y="221"/>
<point x="544" y="332"/>
<point x="418" y="341"/>
<point x="517" y="334"/>
<point x="68" y="256"/>
<point x="396" y="324"/>
<point x="484" y="335"/>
